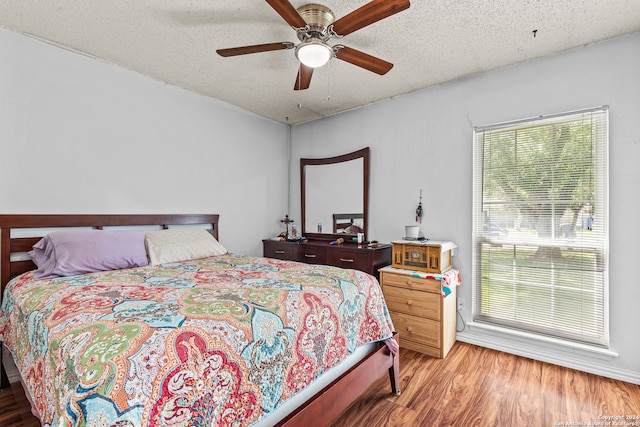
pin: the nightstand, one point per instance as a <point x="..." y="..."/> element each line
<point x="421" y="313"/>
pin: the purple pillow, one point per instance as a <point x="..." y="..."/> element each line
<point x="68" y="253"/>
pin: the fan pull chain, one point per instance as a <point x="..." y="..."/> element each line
<point x="328" y="81"/>
<point x="299" y="91"/>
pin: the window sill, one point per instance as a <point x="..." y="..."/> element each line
<point x="497" y="333"/>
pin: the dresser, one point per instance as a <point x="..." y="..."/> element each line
<point x="345" y="255"/>
<point x="424" y="318"/>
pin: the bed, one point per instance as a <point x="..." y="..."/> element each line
<point x="221" y="340"/>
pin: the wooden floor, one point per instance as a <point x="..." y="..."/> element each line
<point x="473" y="386"/>
<point x="12" y="414"/>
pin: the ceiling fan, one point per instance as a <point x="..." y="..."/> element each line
<point x="315" y="25"/>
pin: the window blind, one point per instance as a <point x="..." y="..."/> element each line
<point x="540" y="230"/>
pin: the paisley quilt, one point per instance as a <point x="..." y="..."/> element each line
<point x="220" y="341"/>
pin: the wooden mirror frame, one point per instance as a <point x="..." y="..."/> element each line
<point x="364" y="155"/>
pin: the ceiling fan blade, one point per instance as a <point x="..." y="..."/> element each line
<point x="371" y="12"/>
<point x="363" y="60"/>
<point x="256" y="48"/>
<point x="288" y="12"/>
<point x="303" y="80"/>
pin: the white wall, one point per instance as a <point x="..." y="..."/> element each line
<point x="81" y="136"/>
<point x="424" y="141"/>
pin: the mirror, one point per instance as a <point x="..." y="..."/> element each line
<point x="334" y="195"/>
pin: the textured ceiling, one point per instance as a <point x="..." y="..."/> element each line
<point x="432" y="42"/>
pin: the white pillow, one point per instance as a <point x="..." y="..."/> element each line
<point x="181" y="244"/>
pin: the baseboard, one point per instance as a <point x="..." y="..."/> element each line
<point x="543" y="354"/>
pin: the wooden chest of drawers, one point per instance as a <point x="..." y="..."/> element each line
<point x="424" y="319"/>
<point x="346" y="255"/>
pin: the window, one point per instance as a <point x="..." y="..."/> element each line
<point x="540" y="226"/>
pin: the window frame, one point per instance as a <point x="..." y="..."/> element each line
<point x="479" y="236"/>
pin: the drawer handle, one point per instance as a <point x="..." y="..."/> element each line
<point x="409" y="302"/>
<point x="309" y="255"/>
<point x="346" y="260"/>
<point x="279" y="252"/>
<point x="409" y="329"/>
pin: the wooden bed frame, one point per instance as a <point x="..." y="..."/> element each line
<point x="339" y="222"/>
<point x="321" y="409"/>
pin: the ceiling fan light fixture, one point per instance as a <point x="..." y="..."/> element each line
<point x="314" y="53"/>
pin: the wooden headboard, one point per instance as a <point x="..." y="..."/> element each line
<point x="10" y="244"/>
<point x="342" y="221"/>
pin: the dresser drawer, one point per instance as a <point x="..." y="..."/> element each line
<point x="413" y="328"/>
<point x="349" y="259"/>
<point x="285" y="252"/>
<point x="410" y="282"/>
<point x="410" y="301"/>
<point x="311" y="254"/>
<point x="347" y="255"/>
<point x="421" y="348"/>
